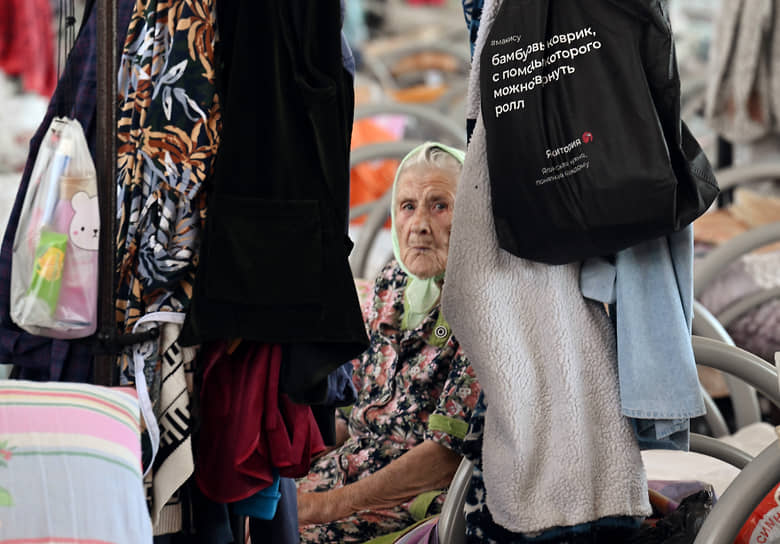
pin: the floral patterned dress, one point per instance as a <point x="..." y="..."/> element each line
<point x="413" y="385"/>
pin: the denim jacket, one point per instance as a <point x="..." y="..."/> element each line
<point x="652" y="286"/>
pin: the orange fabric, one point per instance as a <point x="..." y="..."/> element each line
<point x="369" y="181"/>
<point x="425" y="60"/>
<point x="749" y="210"/>
<point x="419" y="93"/>
<point x="717" y="226"/>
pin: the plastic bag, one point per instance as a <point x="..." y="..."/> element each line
<point x="682" y="525"/>
<point x="54" y="270"/>
<point x="763" y="525"/>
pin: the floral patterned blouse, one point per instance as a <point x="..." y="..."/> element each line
<point x="413" y="385"/>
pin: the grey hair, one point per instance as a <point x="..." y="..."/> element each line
<point x="432" y="156"/>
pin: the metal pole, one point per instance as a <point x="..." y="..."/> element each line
<point x="105" y="154"/>
<point x="741" y="497"/>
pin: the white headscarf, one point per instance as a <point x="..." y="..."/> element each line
<point x="421" y="295"/>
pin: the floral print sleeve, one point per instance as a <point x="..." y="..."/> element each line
<point x="449" y="423"/>
<point x="370" y="295"/>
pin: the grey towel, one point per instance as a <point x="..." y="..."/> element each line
<point x="739" y="94"/>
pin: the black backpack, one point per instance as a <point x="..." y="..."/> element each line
<point x="586" y="151"/>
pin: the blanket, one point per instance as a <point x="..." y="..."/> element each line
<point x="558" y="451"/>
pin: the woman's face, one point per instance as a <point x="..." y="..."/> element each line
<point x="423" y="219"/>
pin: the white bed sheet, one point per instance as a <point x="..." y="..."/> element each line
<point x="677" y="465"/>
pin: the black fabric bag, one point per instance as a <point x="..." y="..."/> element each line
<point x="587" y="154"/>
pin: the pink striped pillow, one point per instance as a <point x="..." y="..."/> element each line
<point x="70" y="465"/>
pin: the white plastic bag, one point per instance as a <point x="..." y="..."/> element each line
<point x="54" y="270"/>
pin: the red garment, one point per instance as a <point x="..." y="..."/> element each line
<point x="247" y="427"/>
<point x="27" y="44"/>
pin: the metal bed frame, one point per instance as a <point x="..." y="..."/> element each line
<point x="743" y="397"/>
<point x="380" y="67"/>
<point x="455" y="133"/>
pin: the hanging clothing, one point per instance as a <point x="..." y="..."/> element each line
<point x="472" y="12"/>
<point x="480" y="527"/>
<point x="261" y="505"/>
<point x="283" y="529"/>
<point x="173" y="462"/>
<point x="546" y="359"/>
<point x="355" y="31"/>
<point x="274" y="261"/>
<point x="347" y="55"/>
<point x="744" y="73"/>
<point x="205" y="521"/>
<point x="340" y="392"/>
<point x="39" y="358"/>
<point x="168" y="133"/>
<point x="247" y="428"/>
<point x="27" y="44"/>
<point x="652" y="287"/>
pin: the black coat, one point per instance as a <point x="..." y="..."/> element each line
<point x="274" y="257"/>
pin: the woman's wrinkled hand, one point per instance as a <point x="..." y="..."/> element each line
<point x="323" y="507"/>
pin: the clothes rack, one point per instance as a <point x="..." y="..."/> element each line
<point x="109" y="343"/>
<point x="105" y="163"/>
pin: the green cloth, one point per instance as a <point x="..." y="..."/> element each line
<point x="392" y="537"/>
<point x="421" y="294"/>
<point x="422" y="502"/>
<point x="441" y="333"/>
<point x="453" y="427"/>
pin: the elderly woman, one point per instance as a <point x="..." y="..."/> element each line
<point x="416" y="390"/>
